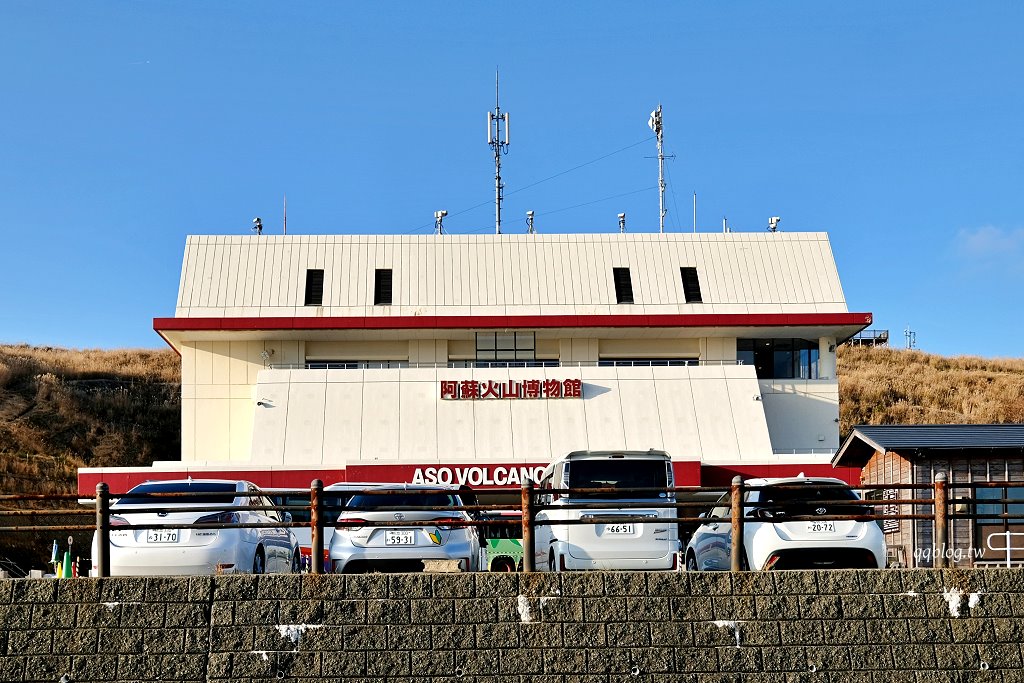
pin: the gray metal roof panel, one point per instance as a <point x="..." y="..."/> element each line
<point x="945" y="435"/>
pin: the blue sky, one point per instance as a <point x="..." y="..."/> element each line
<point x="895" y="127"/>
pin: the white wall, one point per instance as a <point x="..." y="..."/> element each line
<point x="341" y="416"/>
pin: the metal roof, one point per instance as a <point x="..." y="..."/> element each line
<point x="868" y="439"/>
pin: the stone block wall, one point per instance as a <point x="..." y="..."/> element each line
<point x="849" y="626"/>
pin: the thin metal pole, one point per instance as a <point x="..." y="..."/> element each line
<point x="529" y="546"/>
<point x="941" y="520"/>
<point x="102" y="559"/>
<point x="316" y="521"/>
<point x="736" y="510"/>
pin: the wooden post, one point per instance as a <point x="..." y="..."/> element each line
<point x="528" y="541"/>
<point x="316" y="522"/>
<point x="736" y="503"/>
<point x="102" y="560"/>
<point x="941" y="552"/>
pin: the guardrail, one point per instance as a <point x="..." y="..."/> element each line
<point x="531" y="502"/>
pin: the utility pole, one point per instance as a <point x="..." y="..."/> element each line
<point x="655" y="124"/>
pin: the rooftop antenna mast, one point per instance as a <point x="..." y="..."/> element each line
<point x="495" y="120"/>
<point x="655" y="124"/>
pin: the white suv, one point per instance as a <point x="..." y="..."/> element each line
<point x="770" y="541"/>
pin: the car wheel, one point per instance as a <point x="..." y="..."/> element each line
<point x="259" y="564"/>
<point x="691" y="563"/>
<point x="296" y="563"/>
<point x="502" y="564"/>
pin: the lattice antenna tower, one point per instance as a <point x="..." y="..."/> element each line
<point x="497" y="121"/>
<point x="911" y="337"/>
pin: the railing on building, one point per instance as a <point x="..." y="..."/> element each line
<point x="870" y="338"/>
<point x="484" y="364"/>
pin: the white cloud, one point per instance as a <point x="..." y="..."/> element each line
<point x="999" y="251"/>
<point x="989" y="241"/>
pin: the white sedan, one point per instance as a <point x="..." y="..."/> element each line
<point x="771" y="540"/>
<point x="154" y="552"/>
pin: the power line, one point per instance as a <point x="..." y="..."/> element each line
<point x="675" y="205"/>
<point x="596" y="201"/>
<point x="575" y="168"/>
<point x="544" y="180"/>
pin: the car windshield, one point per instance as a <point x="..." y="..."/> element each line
<point x="217" y="492"/>
<point x="304" y="516"/>
<point x="503" y="530"/>
<point x="617" y="474"/>
<point x="386" y="501"/>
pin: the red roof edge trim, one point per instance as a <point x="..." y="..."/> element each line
<point x="512" y="321"/>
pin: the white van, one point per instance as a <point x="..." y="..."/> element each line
<point x="630" y="544"/>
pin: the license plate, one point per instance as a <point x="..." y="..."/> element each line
<point x="162" y="536"/>
<point x="618" y="528"/>
<point x="396" y="537"/>
<point x="821" y="527"/>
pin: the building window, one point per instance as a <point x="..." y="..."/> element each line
<point x="779" y="358"/>
<point x="356" y="364"/>
<point x="382" y="287"/>
<point x="646" y="362"/>
<point x="989" y="503"/>
<point x="506" y="346"/>
<point x="314" y="288"/>
<point x="691" y="285"/>
<point x="623" y="286"/>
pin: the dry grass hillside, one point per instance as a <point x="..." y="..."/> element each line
<point x="894" y="386"/>
<point x="62" y="409"/>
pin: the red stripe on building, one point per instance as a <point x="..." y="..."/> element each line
<point x="513" y="321"/>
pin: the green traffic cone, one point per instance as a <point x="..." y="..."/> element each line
<point x="67" y="565"/>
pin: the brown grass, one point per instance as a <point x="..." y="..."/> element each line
<point x="894" y="386"/>
<point x="84" y="408"/>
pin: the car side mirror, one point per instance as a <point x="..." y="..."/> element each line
<point x="702" y="515"/>
<point x="286" y="517"/>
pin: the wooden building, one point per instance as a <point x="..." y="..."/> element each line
<point x="915" y="454"/>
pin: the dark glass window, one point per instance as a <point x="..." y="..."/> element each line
<point x="506" y="346"/>
<point x="691" y="285"/>
<point x="995" y="528"/>
<point x="216" y="492"/>
<point x="618" y="474"/>
<point x="384" y="501"/>
<point x="623" y="286"/>
<point x="382" y="287"/>
<point x="780" y="358"/>
<point x="314" y="287"/>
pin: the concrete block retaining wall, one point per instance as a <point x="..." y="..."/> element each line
<point x="849" y="626"/>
